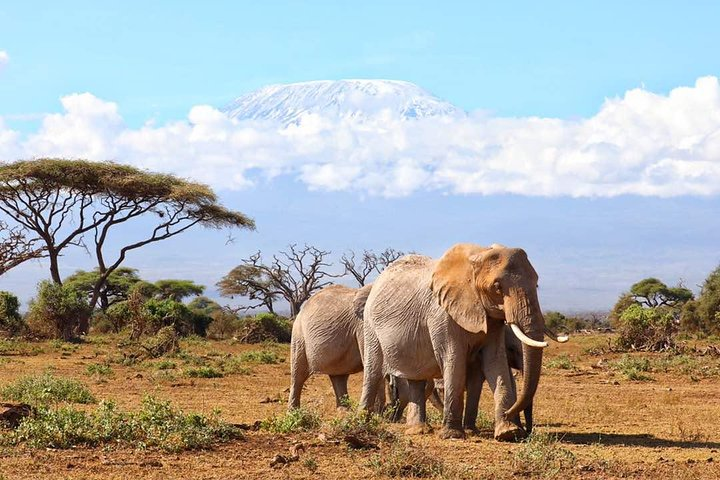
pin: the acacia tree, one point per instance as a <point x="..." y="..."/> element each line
<point x="116" y="287"/>
<point x="65" y="201"/>
<point x="369" y="263"/>
<point x="16" y="248"/>
<point x="652" y="293"/>
<point x="177" y="289"/>
<point x="293" y="275"/>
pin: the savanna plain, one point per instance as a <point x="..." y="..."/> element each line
<point x="598" y="414"/>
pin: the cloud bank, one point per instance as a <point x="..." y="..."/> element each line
<point x="643" y="143"/>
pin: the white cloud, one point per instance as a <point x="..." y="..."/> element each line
<point x="643" y="143"/>
<point x="4" y="59"/>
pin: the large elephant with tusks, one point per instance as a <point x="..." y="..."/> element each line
<point x="424" y="318"/>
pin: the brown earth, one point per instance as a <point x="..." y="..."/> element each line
<point x="666" y="427"/>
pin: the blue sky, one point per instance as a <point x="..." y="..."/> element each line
<point x="513" y="60"/>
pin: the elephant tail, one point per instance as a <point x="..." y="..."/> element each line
<point x="360" y="298"/>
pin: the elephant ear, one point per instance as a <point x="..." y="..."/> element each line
<point x="454" y="286"/>
<point x="359" y="301"/>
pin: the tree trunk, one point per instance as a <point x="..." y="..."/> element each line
<point x="54" y="266"/>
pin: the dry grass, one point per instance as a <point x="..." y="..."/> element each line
<point x="610" y="426"/>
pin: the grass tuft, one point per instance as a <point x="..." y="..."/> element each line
<point x="260" y="356"/>
<point x="46" y="389"/>
<point x="542" y="455"/>
<point x="404" y="461"/>
<point x="563" y="362"/>
<point x="292" y="421"/>
<point x="633" y="368"/>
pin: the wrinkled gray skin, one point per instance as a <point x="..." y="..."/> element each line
<point x="327" y="337"/>
<point x="424" y="318"/>
<point x="514" y="353"/>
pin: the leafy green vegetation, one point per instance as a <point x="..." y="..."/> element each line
<point x="99" y="370"/>
<point x="56" y="311"/>
<point x="10" y="319"/>
<point x="561" y="362"/>
<point x="204" y="372"/>
<point x="46" y="389"/>
<point x="633" y="368"/>
<point x="260" y="356"/>
<point x="156" y="425"/>
<point x="292" y="421"/>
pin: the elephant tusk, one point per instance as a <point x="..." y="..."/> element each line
<point x="555" y="336"/>
<point x="525" y="339"/>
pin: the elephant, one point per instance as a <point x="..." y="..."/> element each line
<point x="424" y="318"/>
<point x="514" y="353"/>
<point x="327" y="337"/>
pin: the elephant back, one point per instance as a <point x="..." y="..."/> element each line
<point x="360" y="299"/>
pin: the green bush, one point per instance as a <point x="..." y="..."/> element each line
<point x="46" y="389"/>
<point x="56" y="311"/>
<point x="263" y="327"/>
<point x="99" y="370"/>
<point x="633" y="368"/>
<point x="650" y="329"/>
<point x="157" y="425"/>
<point x="204" y="372"/>
<point x="224" y="325"/>
<point x="171" y="312"/>
<point x="10" y="319"/>
<point x="117" y="316"/>
<point x="292" y="421"/>
<point x="260" y="356"/>
<point x="562" y="362"/>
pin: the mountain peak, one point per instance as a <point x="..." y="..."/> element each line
<point x="357" y="99"/>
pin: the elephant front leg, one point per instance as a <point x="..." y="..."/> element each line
<point x="416" y="412"/>
<point x="454" y="375"/>
<point x="499" y="377"/>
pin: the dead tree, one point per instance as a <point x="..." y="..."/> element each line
<point x="293" y="275"/>
<point x="369" y="263"/>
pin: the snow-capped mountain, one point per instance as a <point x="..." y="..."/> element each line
<point x="357" y="99"/>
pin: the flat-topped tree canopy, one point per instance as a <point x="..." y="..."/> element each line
<point x="57" y="176"/>
<point x="61" y="200"/>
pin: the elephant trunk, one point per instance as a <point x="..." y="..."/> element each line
<point x="523" y="314"/>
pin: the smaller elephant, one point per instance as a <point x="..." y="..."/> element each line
<point x="327" y="337"/>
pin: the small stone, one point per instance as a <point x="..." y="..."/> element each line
<point x="322" y="437"/>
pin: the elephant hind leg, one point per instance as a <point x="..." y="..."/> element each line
<point x="373" y="391"/>
<point x="339" y="383"/>
<point x="299" y="370"/>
